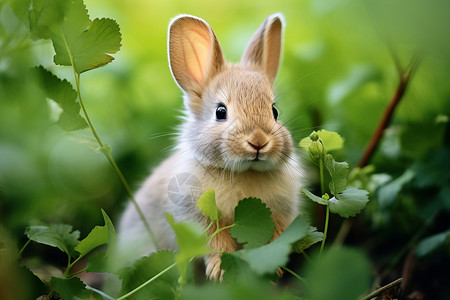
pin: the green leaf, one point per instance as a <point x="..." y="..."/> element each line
<point x="97" y="237"/>
<point x="111" y="231"/>
<point x="207" y="204"/>
<point x="340" y="273"/>
<point x="268" y="258"/>
<point x="313" y="236"/>
<point x="338" y="173"/>
<point x="44" y="15"/>
<point x="236" y="269"/>
<point x="55" y="235"/>
<point x="104" y="261"/>
<point x="349" y="203"/>
<point x="244" y="290"/>
<point x="191" y="240"/>
<point x="61" y="92"/>
<point x="331" y="140"/>
<point x="432" y="243"/>
<point x="69" y="289"/>
<point x="253" y="223"/>
<point x="354" y="79"/>
<point x="388" y="192"/>
<point x="313" y="197"/>
<point x="87" y="44"/>
<point x="164" y="287"/>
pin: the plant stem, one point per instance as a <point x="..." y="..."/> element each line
<point x="76" y="273"/>
<point x="105" y="150"/>
<point x="381" y="289"/>
<point x="103" y="294"/>
<point x="322" y="190"/>
<point x="23" y="248"/>
<point x="322" y="178"/>
<point x="327" y="217"/>
<point x="113" y="163"/>
<point x="147" y="282"/>
<point x="404" y="80"/>
<point x="219" y="230"/>
<point x="294" y="274"/>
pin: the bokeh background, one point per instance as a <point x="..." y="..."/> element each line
<point x="338" y="72"/>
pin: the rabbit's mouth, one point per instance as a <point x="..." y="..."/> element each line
<point x="260" y="162"/>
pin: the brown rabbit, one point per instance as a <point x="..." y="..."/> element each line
<point x="230" y="140"/>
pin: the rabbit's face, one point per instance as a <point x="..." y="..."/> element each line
<point x="231" y="123"/>
<point x="237" y="128"/>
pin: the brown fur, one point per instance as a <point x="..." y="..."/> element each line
<point x="250" y="154"/>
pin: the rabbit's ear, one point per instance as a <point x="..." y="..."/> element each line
<point x="195" y="54"/>
<point x="263" y="52"/>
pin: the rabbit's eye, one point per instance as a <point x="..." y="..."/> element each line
<point x="221" y="112"/>
<point x="275" y="113"/>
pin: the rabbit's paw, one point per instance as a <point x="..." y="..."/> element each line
<point x="213" y="270"/>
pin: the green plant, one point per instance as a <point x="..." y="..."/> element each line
<point x="345" y="201"/>
<point x="343" y="84"/>
<point x="168" y="275"/>
<point x="84" y="45"/>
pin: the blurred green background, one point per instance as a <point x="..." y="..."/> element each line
<point x="338" y="73"/>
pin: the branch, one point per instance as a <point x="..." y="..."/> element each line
<point x="381" y="289"/>
<point x="405" y="78"/>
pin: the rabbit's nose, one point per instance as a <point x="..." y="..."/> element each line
<point x="257" y="146"/>
<point x="258" y="140"/>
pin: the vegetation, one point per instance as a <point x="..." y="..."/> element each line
<point x="74" y="135"/>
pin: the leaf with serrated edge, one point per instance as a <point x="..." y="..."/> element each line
<point x="338" y="173"/>
<point x="61" y="92"/>
<point x="70" y="289"/>
<point x="207" y="205"/>
<point x="43" y="15"/>
<point x="253" y="223"/>
<point x="268" y="258"/>
<point x="55" y="235"/>
<point x="349" y="203"/>
<point x="313" y="197"/>
<point x="87" y="44"/>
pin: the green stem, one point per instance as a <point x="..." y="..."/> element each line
<point x="322" y="177"/>
<point x="23" y="248"/>
<point x="103" y="294"/>
<point x="209" y="226"/>
<point x="147" y="282"/>
<point x="294" y="274"/>
<point x="76" y="273"/>
<point x="219" y="230"/>
<point x="327" y="217"/>
<point x="105" y="149"/>
<point x="322" y="190"/>
<point x="69" y="266"/>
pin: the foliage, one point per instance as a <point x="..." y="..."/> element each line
<point x="341" y="64"/>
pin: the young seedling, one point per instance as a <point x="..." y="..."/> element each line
<point x="345" y="201"/>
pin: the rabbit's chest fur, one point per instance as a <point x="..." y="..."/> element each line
<point x="278" y="189"/>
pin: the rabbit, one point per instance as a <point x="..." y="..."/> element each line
<point x="230" y="141"/>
